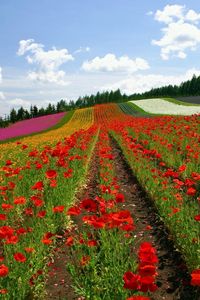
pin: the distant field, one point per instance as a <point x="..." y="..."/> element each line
<point x="166" y="106"/>
<point x="191" y="99"/>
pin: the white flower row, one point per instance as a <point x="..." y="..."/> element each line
<point x="160" y="106"/>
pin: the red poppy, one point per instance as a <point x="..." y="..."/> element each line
<point x="138" y="298"/>
<point x="6" y="206"/>
<point x="3" y="217"/>
<point x="191" y="191"/>
<point x="131" y="281"/>
<point x="182" y="168"/>
<point x="147" y="270"/>
<point x="8" y="162"/>
<point x="3" y="291"/>
<point x="6" y="232"/>
<point x="197" y="217"/>
<point x="147" y="284"/>
<point x="12" y="240"/>
<point x="195" y="280"/>
<point x="3" y="271"/>
<point x="92" y="243"/>
<point x="20" y="200"/>
<point x="46" y="241"/>
<point x="38" y="186"/>
<point x="73" y="211"/>
<point x="50" y="174"/>
<point x="41" y="214"/>
<point x="37" y="201"/>
<point x="58" y="209"/>
<point x="119" y="198"/>
<point x="29" y="250"/>
<point x="19" y="257"/>
<point x="69" y="241"/>
<point x="53" y="183"/>
<point x="28" y="211"/>
<point x="89" y="205"/>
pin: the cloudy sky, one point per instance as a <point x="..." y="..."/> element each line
<point x="62" y="49"/>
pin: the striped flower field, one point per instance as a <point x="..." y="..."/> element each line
<point x="30" y="126"/>
<point x="104" y="207"/>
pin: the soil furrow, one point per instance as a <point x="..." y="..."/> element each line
<point x="59" y="283"/>
<point x="173" y="278"/>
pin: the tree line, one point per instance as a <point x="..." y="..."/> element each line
<point x="187" y="88"/>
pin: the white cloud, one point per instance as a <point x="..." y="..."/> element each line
<point x="181" y="32"/>
<point x="170" y="13"/>
<point x="110" y="63"/>
<point x="47" y="62"/>
<point x="0" y="74"/>
<point x="2" y="96"/>
<point x="149" y="13"/>
<point x="82" y="49"/>
<point x="17" y="102"/>
<point x="141" y="83"/>
<point x="192" y="16"/>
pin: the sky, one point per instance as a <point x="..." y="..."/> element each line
<point x="61" y="49"/>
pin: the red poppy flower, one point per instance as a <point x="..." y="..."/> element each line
<point x="19" y="257"/>
<point x="28" y="211"/>
<point x="92" y="243"/>
<point x="46" y="241"/>
<point x="197" y="217"/>
<point x="131" y="281"/>
<point x="12" y="240"/>
<point x="3" y="217"/>
<point x="3" y="271"/>
<point x="89" y="205"/>
<point x="147" y="270"/>
<point x="195" y="280"/>
<point x="20" y="200"/>
<point x="147" y="284"/>
<point x="29" y="250"/>
<point x="6" y="232"/>
<point x="6" y="206"/>
<point x="119" y="198"/>
<point x="51" y="174"/>
<point x="182" y="168"/>
<point x="8" y="162"/>
<point x="3" y="291"/>
<point x="191" y="191"/>
<point x="73" y="211"/>
<point x="138" y="298"/>
<point x="38" y="186"/>
<point x="53" y="183"/>
<point x="41" y="214"/>
<point x="69" y="241"/>
<point x="58" y="209"/>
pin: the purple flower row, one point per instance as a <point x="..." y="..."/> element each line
<point x="30" y="126"/>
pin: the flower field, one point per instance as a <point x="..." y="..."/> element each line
<point x="160" y="106"/>
<point x="75" y="209"/>
<point x="30" y="126"/>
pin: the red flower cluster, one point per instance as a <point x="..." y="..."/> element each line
<point x="144" y="281"/>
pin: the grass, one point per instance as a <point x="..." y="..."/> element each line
<point x="63" y="121"/>
<point x="178" y="102"/>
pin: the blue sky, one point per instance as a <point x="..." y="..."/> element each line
<point x="53" y="49"/>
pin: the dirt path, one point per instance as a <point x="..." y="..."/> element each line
<point x="59" y="283"/>
<point x="173" y="279"/>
